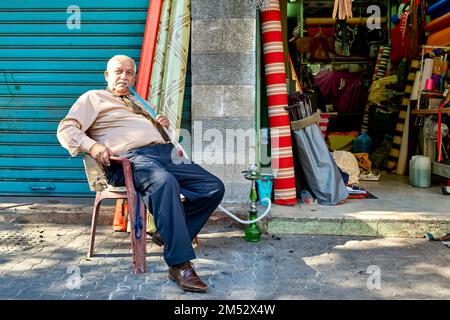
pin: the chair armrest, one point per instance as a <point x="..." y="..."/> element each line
<point x="127" y="171"/>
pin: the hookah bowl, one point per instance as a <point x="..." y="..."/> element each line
<point x="252" y="232"/>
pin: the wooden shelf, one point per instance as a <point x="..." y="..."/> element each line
<point x="430" y="111"/>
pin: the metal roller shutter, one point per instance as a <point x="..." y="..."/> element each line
<point x="45" y="66"/>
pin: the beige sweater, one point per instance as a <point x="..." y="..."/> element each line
<point x="99" y="116"/>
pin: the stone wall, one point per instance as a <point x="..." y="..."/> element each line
<point x="223" y="86"/>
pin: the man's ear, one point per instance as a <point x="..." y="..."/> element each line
<point x="106" y="75"/>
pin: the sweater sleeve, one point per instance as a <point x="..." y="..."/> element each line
<point x="72" y="129"/>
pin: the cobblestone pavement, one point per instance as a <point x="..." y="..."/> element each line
<point x="49" y="262"/>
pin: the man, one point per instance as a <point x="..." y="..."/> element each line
<point x="111" y="122"/>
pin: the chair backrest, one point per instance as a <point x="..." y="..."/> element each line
<point x="96" y="176"/>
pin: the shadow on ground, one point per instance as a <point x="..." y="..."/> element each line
<point x="277" y="267"/>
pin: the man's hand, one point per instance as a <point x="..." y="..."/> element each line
<point x="101" y="153"/>
<point x="163" y="120"/>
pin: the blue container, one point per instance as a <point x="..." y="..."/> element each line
<point x="362" y="144"/>
<point x="264" y="186"/>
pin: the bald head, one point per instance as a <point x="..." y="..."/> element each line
<point x="120" y="73"/>
<point x="120" y="57"/>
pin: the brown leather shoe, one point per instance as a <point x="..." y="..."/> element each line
<point x="186" y="278"/>
<point x="157" y="239"/>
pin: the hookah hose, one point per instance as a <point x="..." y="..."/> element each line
<point x="180" y="148"/>
<point x="248" y="221"/>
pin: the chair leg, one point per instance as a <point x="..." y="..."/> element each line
<point x="95" y="213"/>
<point x="138" y="246"/>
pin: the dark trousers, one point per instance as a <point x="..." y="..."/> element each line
<point x="160" y="182"/>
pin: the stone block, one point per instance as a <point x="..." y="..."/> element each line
<point x="207" y="35"/>
<point x="207" y="9"/>
<point x="223" y="101"/>
<point x="239" y="35"/>
<point x="236" y="192"/>
<point x="223" y="141"/>
<point x="239" y="101"/>
<point x="238" y="8"/>
<point x="207" y="101"/>
<point x="226" y="68"/>
<point x="233" y="174"/>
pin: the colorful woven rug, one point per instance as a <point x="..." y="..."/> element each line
<point x="170" y="62"/>
<point x="277" y="99"/>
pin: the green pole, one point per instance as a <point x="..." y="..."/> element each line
<point x="258" y="92"/>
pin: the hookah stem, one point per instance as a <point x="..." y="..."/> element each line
<point x="153" y="114"/>
<point x="179" y="147"/>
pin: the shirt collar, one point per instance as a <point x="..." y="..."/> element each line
<point x="114" y="95"/>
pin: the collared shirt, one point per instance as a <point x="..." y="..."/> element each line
<point x="99" y="116"/>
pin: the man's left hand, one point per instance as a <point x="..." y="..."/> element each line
<point x="163" y="120"/>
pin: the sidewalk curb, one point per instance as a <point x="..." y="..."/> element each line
<point x="356" y="227"/>
<point x="83" y="216"/>
<point x="336" y="226"/>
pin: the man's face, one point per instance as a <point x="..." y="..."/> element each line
<point x="119" y="75"/>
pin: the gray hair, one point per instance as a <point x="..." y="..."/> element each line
<point x="120" y="57"/>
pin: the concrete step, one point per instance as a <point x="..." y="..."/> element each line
<point x="396" y="228"/>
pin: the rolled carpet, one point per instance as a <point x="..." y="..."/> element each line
<point x="439" y="8"/>
<point x="439" y="23"/>
<point x="440" y="38"/>
<point x="148" y="48"/>
<point x="170" y="63"/>
<point x="277" y="99"/>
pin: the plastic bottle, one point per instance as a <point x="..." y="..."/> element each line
<point x="362" y="144"/>
<point x="420" y="171"/>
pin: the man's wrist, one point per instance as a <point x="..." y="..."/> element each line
<point x="87" y="145"/>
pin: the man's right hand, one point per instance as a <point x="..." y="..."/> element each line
<point x="101" y="154"/>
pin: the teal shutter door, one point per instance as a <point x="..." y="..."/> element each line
<point x="45" y="65"/>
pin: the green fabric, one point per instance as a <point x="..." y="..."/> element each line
<point x="170" y="63"/>
<point x="344" y="143"/>
<point x="159" y="60"/>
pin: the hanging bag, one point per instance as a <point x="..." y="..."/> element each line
<point x="318" y="166"/>
<point x="320" y="47"/>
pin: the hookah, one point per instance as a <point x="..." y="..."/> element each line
<point x="252" y="232"/>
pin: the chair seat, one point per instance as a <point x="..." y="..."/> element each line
<point x="115" y="189"/>
<point x="111" y="188"/>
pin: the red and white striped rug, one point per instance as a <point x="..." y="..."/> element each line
<point x="323" y="123"/>
<point x="277" y="99"/>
